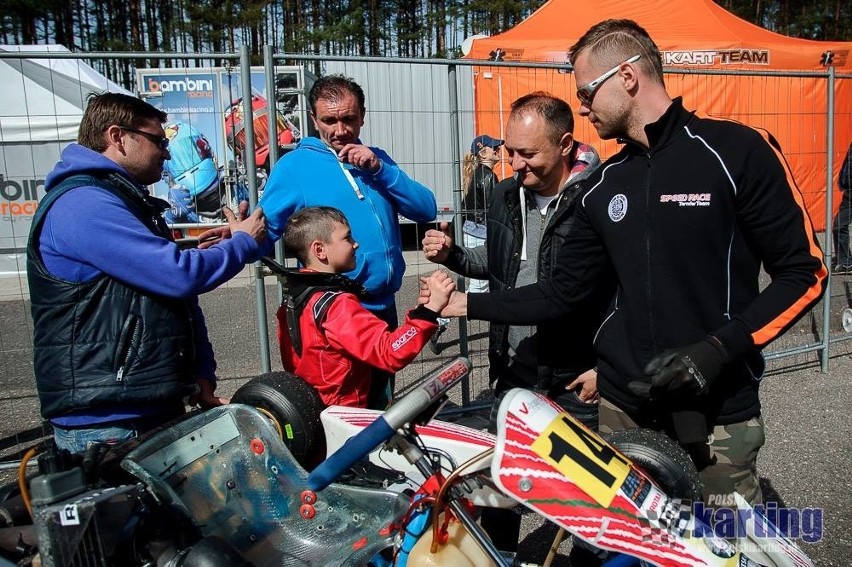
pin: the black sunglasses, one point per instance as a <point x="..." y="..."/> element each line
<point x="160" y="141"/>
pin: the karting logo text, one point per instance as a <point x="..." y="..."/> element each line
<point x="761" y="524"/>
<point x="765" y="521"/>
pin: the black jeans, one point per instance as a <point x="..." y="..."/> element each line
<point x="842" y="255"/>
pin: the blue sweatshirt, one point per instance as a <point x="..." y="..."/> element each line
<point x="311" y="175"/>
<point x="89" y="232"/>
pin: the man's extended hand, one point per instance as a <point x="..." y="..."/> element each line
<point x="689" y="370"/>
<point x="215" y="235"/>
<point x="254" y="226"/>
<point x="438" y="243"/>
<point x="588" y="384"/>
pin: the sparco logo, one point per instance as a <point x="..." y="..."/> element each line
<point x="687" y="199"/>
<point x="407" y="336"/>
<point x="201" y="87"/>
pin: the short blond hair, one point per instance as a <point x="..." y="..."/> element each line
<point x="614" y="41"/>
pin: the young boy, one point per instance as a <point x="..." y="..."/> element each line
<point x="326" y="336"/>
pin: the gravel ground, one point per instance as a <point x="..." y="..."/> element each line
<point x="805" y="463"/>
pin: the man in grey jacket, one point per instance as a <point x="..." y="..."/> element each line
<point x="529" y="218"/>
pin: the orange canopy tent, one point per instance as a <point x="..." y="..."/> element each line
<point x="694" y="36"/>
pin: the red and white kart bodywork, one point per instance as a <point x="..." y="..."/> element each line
<point x="551" y="463"/>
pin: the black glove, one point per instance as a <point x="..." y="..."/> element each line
<point x="689" y="370"/>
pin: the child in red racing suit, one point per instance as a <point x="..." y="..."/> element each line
<point x="325" y="335"/>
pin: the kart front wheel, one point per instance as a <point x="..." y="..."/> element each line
<point x="663" y="460"/>
<point x="293" y="407"/>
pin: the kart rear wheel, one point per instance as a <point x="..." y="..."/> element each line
<point x="293" y="407"/>
<point x="663" y="460"/>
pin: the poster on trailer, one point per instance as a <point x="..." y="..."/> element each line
<point x="206" y="131"/>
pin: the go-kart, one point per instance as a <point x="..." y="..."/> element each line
<point x="222" y="488"/>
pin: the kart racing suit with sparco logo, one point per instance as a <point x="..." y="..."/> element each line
<point x="339" y="342"/>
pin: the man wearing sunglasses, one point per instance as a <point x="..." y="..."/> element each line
<point x="118" y="337"/>
<point x="680" y="221"/>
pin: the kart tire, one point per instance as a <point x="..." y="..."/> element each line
<point x="294" y="408"/>
<point x="663" y="460"/>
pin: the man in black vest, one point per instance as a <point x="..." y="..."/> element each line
<point x="119" y="339"/>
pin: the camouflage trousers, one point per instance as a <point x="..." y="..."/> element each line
<point x="734" y="447"/>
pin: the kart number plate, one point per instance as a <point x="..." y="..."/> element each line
<point x="581" y="456"/>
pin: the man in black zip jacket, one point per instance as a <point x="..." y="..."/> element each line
<point x="842" y="254"/>
<point x="681" y="219"/>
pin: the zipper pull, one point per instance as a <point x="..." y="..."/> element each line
<point x="120" y="376"/>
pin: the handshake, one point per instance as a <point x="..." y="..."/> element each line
<point x="436" y="247"/>
<point x="435" y="291"/>
<point x="254" y="225"/>
<point x="453" y="305"/>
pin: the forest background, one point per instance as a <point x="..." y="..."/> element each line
<point x="379" y="28"/>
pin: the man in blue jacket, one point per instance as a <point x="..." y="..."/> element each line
<point x="338" y="170"/>
<point x="118" y="336"/>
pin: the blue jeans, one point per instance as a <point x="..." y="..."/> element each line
<point x="842" y="255"/>
<point x="79" y="439"/>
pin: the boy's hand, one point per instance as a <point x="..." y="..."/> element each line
<point x="456" y="307"/>
<point x="438" y="243"/>
<point x="440" y="285"/>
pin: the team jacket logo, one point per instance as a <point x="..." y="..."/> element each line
<point x="404" y="338"/>
<point x="618" y="207"/>
<point x="687" y="199"/>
